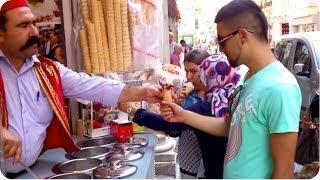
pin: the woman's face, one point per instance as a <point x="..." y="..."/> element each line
<point x="193" y="75"/>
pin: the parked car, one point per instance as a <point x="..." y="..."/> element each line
<point x="300" y="54"/>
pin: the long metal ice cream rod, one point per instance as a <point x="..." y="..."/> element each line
<point x="30" y="171"/>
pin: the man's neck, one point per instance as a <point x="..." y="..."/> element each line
<point x="17" y="63"/>
<point x="260" y="58"/>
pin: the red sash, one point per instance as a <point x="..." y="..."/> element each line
<point x="3" y="109"/>
<point x="58" y="132"/>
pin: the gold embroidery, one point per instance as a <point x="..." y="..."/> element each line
<point x="52" y="96"/>
<point x="51" y="71"/>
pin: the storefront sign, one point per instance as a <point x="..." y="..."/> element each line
<point x="285" y="28"/>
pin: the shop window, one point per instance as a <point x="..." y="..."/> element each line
<point x="302" y="56"/>
<point x="282" y="51"/>
<point x="296" y="28"/>
<point x="308" y="27"/>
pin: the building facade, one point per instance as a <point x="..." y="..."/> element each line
<point x="290" y="16"/>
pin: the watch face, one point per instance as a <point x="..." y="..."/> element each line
<point x="129" y="110"/>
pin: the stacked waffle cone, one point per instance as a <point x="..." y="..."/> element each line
<point x="126" y="46"/>
<point x="118" y="28"/>
<point x="105" y="38"/>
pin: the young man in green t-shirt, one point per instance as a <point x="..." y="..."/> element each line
<point x="264" y="111"/>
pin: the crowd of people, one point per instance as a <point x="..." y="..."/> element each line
<point x="50" y="47"/>
<point x="238" y="126"/>
<point x="177" y="52"/>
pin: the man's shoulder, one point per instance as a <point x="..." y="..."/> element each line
<point x="48" y="63"/>
<point x="276" y="75"/>
<point x="44" y="59"/>
<point x="275" y="85"/>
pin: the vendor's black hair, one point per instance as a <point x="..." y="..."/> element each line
<point x="244" y="14"/>
<point x="3" y="21"/>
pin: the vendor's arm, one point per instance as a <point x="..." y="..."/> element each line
<point x="133" y="93"/>
<point x="212" y="125"/>
<point x="98" y="89"/>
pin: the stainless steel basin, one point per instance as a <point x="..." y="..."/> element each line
<point x="101" y="142"/>
<point x="71" y="176"/>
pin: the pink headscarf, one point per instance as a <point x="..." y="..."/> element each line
<point x="220" y="79"/>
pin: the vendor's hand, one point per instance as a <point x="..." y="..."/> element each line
<point x="172" y="112"/>
<point x="124" y="106"/>
<point x="11" y="146"/>
<point x="152" y="94"/>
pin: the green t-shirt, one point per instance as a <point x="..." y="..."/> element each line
<point x="269" y="102"/>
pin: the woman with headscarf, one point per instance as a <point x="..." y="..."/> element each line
<point x="188" y="154"/>
<point x="219" y="80"/>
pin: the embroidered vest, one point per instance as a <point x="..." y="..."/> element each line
<point x="58" y="132"/>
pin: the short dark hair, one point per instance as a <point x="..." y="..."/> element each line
<point x="196" y="56"/>
<point x="182" y="41"/>
<point x="244" y="14"/>
<point x="3" y="21"/>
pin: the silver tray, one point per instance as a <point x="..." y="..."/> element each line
<point x="139" y="141"/>
<point x="120" y="170"/>
<point x="101" y="142"/>
<point x="90" y="152"/>
<point x="124" y="155"/>
<point x="79" y="165"/>
<point x="133" y="143"/>
<point x="71" y="176"/>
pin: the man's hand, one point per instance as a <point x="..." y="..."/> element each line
<point x="11" y="146"/>
<point x="172" y="112"/>
<point x="152" y="94"/>
<point x="212" y="125"/>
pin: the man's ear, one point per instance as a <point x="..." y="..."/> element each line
<point x="243" y="35"/>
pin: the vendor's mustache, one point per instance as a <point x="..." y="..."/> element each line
<point x="31" y="41"/>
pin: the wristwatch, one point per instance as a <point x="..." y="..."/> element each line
<point x="129" y="111"/>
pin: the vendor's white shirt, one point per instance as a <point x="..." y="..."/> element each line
<point x="30" y="115"/>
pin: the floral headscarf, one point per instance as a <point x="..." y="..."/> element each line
<point x="220" y="78"/>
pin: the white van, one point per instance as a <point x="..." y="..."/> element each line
<point x="300" y="53"/>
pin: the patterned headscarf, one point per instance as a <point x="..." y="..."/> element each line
<point x="220" y="78"/>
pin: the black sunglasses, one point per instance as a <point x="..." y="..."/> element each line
<point x="222" y="40"/>
<point x="233" y="100"/>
